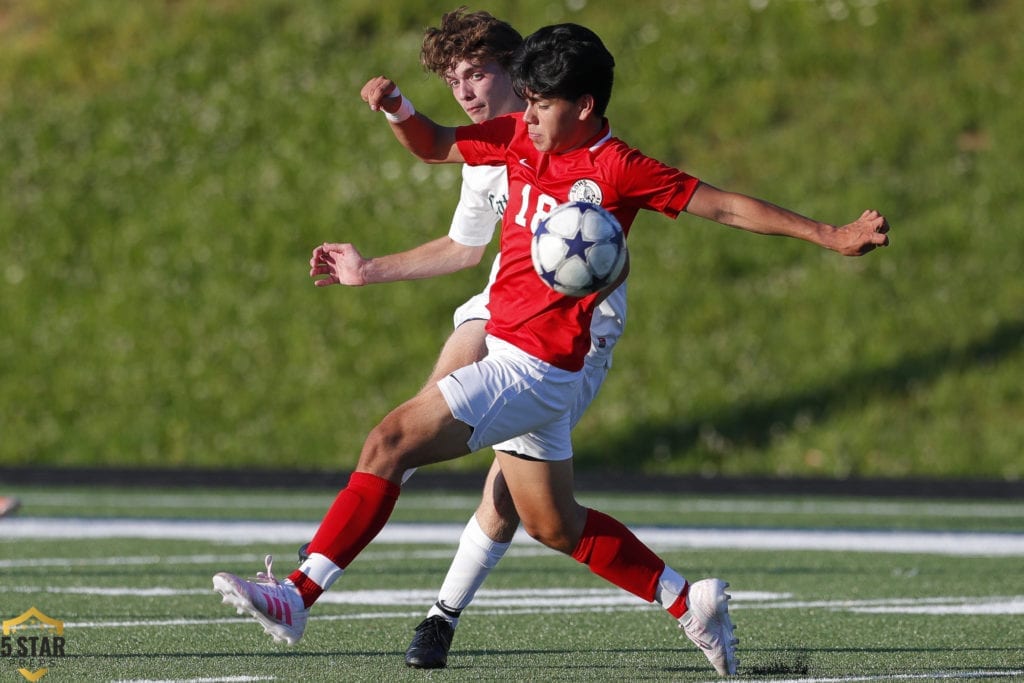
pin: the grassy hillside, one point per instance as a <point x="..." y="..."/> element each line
<point x="166" y="169"/>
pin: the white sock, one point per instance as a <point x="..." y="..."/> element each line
<point x="476" y="557"/>
<point x="321" y="570"/>
<point x="670" y="586"/>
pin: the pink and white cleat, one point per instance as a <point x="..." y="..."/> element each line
<point x="706" y="622"/>
<point x="277" y="605"/>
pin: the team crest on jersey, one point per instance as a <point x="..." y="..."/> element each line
<point x="586" y="190"/>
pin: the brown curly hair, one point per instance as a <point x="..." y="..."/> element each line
<point x="474" y="36"/>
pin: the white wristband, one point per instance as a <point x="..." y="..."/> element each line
<point x="405" y="109"/>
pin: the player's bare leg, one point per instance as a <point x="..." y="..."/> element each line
<point x="496" y="513"/>
<point x="421" y="431"/>
<point x="465" y="345"/>
<point x="418" y="432"/>
<point x="544" y="498"/>
<point x="486" y="537"/>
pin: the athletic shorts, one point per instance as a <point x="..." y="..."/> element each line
<point x="515" y="402"/>
<point x="595" y="369"/>
<point x="474" y="309"/>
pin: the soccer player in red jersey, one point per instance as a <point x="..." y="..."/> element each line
<point x="471" y="52"/>
<point x="517" y="399"/>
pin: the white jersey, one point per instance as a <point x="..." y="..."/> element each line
<point x="482" y="203"/>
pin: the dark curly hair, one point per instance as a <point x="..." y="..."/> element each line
<point x="474" y="36"/>
<point x="564" y="61"/>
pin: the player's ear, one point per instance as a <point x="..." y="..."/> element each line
<point x="585" y="107"/>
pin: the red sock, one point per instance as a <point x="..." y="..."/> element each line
<point x="354" y="519"/>
<point x="612" y="552"/>
<point x="679" y="607"/>
<point x="308" y="588"/>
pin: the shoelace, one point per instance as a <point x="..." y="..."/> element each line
<point x="268" y="576"/>
<point x="435" y="631"/>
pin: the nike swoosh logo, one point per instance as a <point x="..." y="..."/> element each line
<point x="525" y="163"/>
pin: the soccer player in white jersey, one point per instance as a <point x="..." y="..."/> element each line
<point x="470" y="52"/>
<point x="519" y="397"/>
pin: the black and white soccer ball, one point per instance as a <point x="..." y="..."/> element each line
<point x="578" y="248"/>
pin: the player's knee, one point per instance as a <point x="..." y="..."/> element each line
<point x="552" y="533"/>
<point x="383" y="450"/>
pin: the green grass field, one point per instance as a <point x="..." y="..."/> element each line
<point x="167" y="167"/>
<point x="836" y="589"/>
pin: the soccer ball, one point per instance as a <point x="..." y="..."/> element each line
<point x="578" y="248"/>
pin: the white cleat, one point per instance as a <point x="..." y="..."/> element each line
<point x="706" y="622"/>
<point x="277" y="605"/>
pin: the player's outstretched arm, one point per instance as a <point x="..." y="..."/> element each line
<point x="342" y="264"/>
<point x="755" y="215"/>
<point x="429" y="141"/>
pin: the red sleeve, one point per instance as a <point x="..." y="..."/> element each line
<point x="485" y="143"/>
<point x="656" y="186"/>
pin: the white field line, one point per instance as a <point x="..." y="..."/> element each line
<point x="231" y="560"/>
<point x="406" y="604"/>
<point x="247" y="532"/>
<point x="318" y="501"/>
<point x="816" y="508"/>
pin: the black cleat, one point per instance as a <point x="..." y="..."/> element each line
<point x="430" y="644"/>
<point x="304" y="553"/>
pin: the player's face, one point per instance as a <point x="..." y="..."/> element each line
<point x="556" y="125"/>
<point x="482" y="90"/>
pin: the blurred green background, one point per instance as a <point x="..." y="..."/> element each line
<point x="167" y="167"/>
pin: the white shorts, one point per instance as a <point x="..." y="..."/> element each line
<point x="515" y="402"/>
<point x="595" y="369"/>
<point x="474" y="309"/>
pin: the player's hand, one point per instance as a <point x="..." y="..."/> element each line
<point x="337" y="264"/>
<point x="866" y="233"/>
<point x="377" y="93"/>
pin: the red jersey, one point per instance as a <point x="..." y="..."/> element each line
<point x="524" y="310"/>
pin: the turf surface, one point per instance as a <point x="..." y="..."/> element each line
<point x="141" y="608"/>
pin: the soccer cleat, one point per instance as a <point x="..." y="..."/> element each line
<point x="276" y="605"/>
<point x="303" y="552"/>
<point x="706" y="622"/>
<point x="430" y="644"/>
